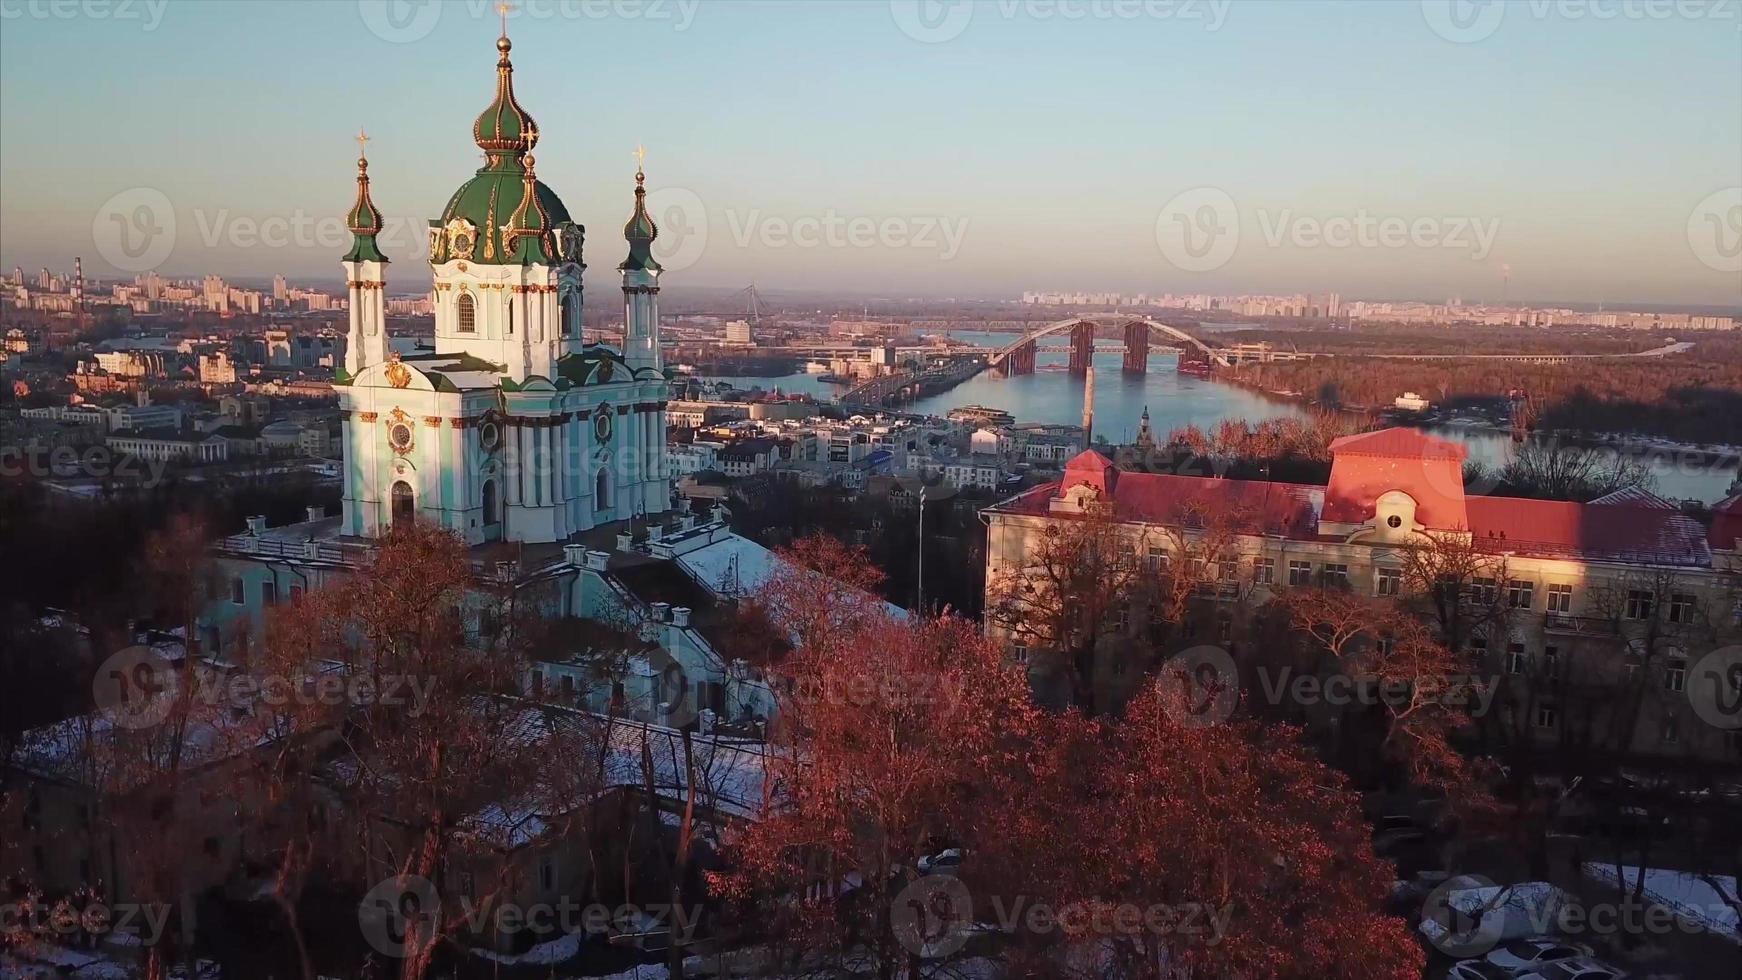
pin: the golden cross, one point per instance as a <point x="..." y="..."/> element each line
<point x="362" y="139"/>
<point x="640" y="156"/>
<point x="503" y="10"/>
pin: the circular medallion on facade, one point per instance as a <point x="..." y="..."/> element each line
<point x="603" y="423"/>
<point x="490" y="434"/>
<point x="399" y="435"/>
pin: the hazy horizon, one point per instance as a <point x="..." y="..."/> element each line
<point x="912" y="149"/>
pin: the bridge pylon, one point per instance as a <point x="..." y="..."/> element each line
<point x="1082" y="348"/>
<point x="1137" y="347"/>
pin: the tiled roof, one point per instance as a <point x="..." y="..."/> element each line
<point x="1634" y="496"/>
<point x="1257" y="507"/>
<point x="1597" y="531"/>
<point x="1399" y="443"/>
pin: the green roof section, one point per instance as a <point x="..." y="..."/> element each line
<point x="493" y="219"/>
<point x="364" y="220"/>
<point x="640" y="232"/>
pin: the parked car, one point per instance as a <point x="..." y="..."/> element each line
<point x="1524" y="955"/>
<point x="1477" y="970"/>
<point x="1579" y="968"/>
<point x="945" y="862"/>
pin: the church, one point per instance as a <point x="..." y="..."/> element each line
<point x="514" y="428"/>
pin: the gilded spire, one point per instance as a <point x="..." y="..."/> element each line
<point x="640" y="232"/>
<point x="504" y="130"/>
<point x="364" y="219"/>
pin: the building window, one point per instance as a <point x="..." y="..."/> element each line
<point x="1520" y="593"/>
<point x="1681" y="608"/>
<point x="1300" y="573"/>
<point x="602" y="490"/>
<point x="238" y="592"/>
<point x="404" y="505"/>
<point x="547" y="874"/>
<point x="1560" y="598"/>
<point x="1479" y="643"/>
<point x="1019" y="653"/>
<point x="1641" y="603"/>
<point x="1484" y="590"/>
<point x="1551" y="661"/>
<point x="1156" y="561"/>
<point x="1675" y="675"/>
<point x="1515" y="659"/>
<point x="295" y="594"/>
<point x="1264" y="570"/>
<point x="1547" y="716"/>
<point x="1335" y="576"/>
<point x="467" y="314"/>
<point x="1388" y="581"/>
<point x="269" y="593"/>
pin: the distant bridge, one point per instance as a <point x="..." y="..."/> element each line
<point x="1017" y="357"/>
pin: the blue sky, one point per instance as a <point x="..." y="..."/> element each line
<point x="1013" y="145"/>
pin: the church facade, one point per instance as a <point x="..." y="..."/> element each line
<point x="514" y="428"/>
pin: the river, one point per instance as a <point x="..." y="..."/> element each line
<point x="1174" y="400"/>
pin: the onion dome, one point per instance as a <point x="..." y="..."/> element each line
<point x="478" y="222"/>
<point x="505" y="127"/>
<point x="364" y="219"/>
<point x="526" y="237"/>
<point x="640" y="232"/>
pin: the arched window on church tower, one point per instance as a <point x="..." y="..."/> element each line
<point x="602" y="492"/>
<point x="571" y="316"/>
<point x="404" y="504"/>
<point x="467" y="314"/>
<point x="492" y="507"/>
<point x="510" y="318"/>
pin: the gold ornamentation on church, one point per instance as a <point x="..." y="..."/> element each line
<point x="398" y="375"/>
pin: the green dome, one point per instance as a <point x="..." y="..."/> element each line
<point x="487" y="202"/>
<point x="495" y="196"/>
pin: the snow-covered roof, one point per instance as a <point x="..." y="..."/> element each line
<point x="1691" y="896"/>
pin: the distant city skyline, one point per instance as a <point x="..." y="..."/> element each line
<point x="910" y="148"/>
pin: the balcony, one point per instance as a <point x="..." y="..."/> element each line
<point x="1592" y="626"/>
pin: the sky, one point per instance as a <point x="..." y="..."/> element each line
<point x="1540" y="149"/>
